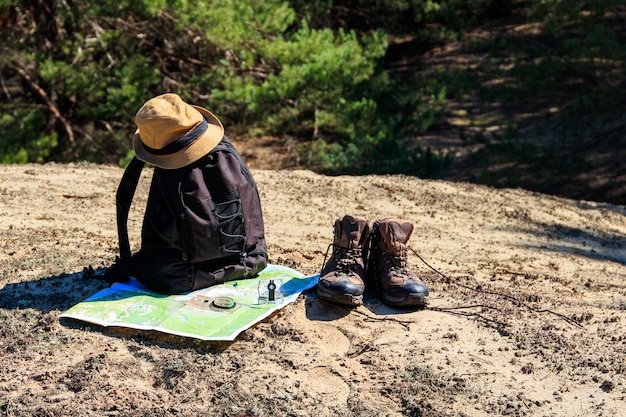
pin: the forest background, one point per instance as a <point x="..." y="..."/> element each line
<point x="508" y="93"/>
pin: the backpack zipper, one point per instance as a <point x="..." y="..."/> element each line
<point x="185" y="254"/>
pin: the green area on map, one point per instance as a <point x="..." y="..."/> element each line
<point x="220" y="312"/>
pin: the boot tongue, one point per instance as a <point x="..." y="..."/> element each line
<point x="351" y="232"/>
<point x="395" y="234"/>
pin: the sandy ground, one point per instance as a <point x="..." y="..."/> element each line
<point x="527" y="313"/>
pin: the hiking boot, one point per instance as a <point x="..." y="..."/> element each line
<point x="388" y="270"/>
<point x="342" y="278"/>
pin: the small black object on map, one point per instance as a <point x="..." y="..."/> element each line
<point x="271" y="287"/>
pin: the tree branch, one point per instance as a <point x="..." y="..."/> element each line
<point x="56" y="113"/>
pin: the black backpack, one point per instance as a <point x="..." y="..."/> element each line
<point x="203" y="225"/>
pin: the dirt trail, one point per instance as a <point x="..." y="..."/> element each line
<point x="527" y="314"/>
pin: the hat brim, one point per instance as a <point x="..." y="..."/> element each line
<point x="189" y="154"/>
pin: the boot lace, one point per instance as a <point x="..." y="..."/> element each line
<point x="345" y="258"/>
<point x="398" y="264"/>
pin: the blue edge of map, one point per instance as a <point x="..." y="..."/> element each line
<point x="220" y="312"/>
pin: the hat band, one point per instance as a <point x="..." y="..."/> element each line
<point x="182" y="142"/>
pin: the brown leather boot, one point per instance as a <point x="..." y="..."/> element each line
<point x="397" y="285"/>
<point x="342" y="278"/>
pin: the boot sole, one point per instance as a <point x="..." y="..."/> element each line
<point x="335" y="298"/>
<point x="411" y="300"/>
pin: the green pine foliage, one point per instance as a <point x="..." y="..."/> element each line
<point x="22" y="138"/>
<point x="260" y="65"/>
<point x="74" y="73"/>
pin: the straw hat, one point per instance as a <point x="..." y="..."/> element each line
<point x="172" y="134"/>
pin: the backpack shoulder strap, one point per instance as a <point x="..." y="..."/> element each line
<point x="123" y="200"/>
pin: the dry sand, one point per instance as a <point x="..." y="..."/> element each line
<point x="527" y="313"/>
